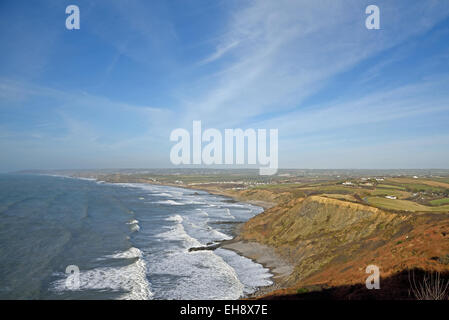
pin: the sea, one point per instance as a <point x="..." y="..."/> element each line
<point x="71" y="238"/>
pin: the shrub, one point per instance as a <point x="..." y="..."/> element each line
<point x="444" y="259"/>
<point x="432" y="287"/>
<point x="302" y="290"/>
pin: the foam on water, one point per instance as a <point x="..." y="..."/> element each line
<point x="207" y="233"/>
<point x="191" y="220"/>
<point x="178" y="233"/>
<point x="134" y="225"/>
<point x="163" y="194"/>
<point x="252" y="275"/>
<point x="202" y="212"/>
<point x="130" y="278"/>
<point x="170" y="202"/>
<point x="176" y="218"/>
<point x="217" y="235"/>
<point x="128" y="254"/>
<point x="219" y="274"/>
<point x="228" y="212"/>
<point x="201" y="275"/>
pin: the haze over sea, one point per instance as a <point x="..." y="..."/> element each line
<point x="130" y="241"/>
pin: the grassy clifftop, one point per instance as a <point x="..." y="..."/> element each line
<point x="330" y="242"/>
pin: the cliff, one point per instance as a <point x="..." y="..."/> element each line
<point x="330" y="242"/>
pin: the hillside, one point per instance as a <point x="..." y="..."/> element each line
<point x="330" y="242"/>
<point x="329" y="226"/>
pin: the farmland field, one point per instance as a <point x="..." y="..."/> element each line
<point x="404" y="205"/>
<point x="389" y="186"/>
<point x="439" y="202"/>
<point x="391" y="192"/>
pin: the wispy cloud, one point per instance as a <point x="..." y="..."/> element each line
<point x="111" y="92"/>
<point x="384" y="106"/>
<point x="80" y="123"/>
<point x="288" y="50"/>
<point x="221" y="50"/>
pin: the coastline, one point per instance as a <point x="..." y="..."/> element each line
<point x="294" y="277"/>
<point x="265" y="256"/>
<point x="257" y="252"/>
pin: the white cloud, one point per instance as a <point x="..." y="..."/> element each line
<point x="381" y="106"/>
<point x="85" y="128"/>
<point x="271" y="56"/>
<point x="287" y="50"/>
<point x="221" y="50"/>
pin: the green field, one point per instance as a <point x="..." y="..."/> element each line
<point x="390" y="186"/>
<point x="404" y="205"/>
<point x="444" y="180"/>
<point x="419" y="185"/>
<point x="416" y="187"/>
<point x="439" y="202"/>
<point x="284" y="186"/>
<point x="390" y="192"/>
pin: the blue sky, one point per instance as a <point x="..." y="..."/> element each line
<point x="108" y="95"/>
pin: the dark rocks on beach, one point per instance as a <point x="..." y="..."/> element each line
<point x="230" y="201"/>
<point x="213" y="247"/>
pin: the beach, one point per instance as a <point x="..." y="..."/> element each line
<point x="257" y="252"/>
<point x="279" y="268"/>
<point x="267" y="257"/>
<point x="128" y="240"/>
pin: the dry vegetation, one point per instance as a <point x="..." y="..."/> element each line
<point x="331" y="227"/>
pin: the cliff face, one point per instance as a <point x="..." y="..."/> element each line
<point x="331" y="241"/>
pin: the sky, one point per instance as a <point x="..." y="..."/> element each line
<point x="109" y="94"/>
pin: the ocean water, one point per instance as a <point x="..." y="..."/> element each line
<point x="128" y="241"/>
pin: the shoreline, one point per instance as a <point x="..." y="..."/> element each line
<point x="259" y="253"/>
<point x="265" y="256"/>
<point x="256" y="252"/>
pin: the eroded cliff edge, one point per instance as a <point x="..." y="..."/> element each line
<point x="330" y="242"/>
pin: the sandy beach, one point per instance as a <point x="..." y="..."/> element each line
<point x="259" y="253"/>
<point x="267" y="257"/>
